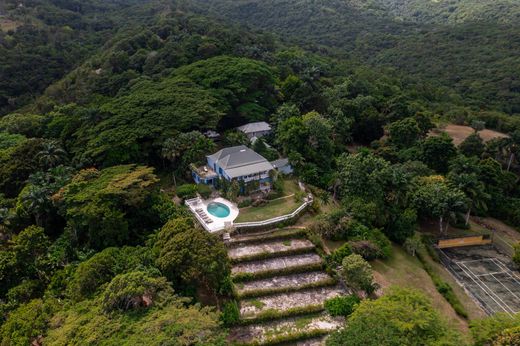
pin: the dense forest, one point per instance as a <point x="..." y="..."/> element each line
<point x="476" y="58"/>
<point x="101" y="102"/>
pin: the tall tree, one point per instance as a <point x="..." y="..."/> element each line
<point x="402" y="317"/>
<point x="433" y="197"/>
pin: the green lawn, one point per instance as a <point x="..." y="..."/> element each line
<point x="290" y="186"/>
<point x="278" y="207"/>
<point x="272" y="209"/>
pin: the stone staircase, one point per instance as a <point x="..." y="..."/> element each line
<point x="280" y="283"/>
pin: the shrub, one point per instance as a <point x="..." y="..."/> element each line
<point x="204" y="190"/>
<point x="382" y="242"/>
<point x="133" y="290"/>
<point x="339" y="254"/>
<point x="367" y="249"/>
<point x="187" y="191"/>
<point x="245" y="203"/>
<point x="230" y="313"/>
<point x="274" y="195"/>
<point x="516" y="255"/>
<point x="342" y="306"/>
<point x="259" y="202"/>
<point x="357" y="273"/>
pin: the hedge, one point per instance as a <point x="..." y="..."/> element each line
<point x="273" y="314"/>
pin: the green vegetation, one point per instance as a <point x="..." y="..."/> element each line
<point x="492" y="330"/>
<point x="357" y="273"/>
<point x="104" y="110"/>
<point x="380" y="321"/>
<point x="342" y="305"/>
<point x="270" y="209"/>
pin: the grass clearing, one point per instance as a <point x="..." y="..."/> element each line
<point x="274" y="208"/>
<point x="9" y="24"/>
<point x="460" y="132"/>
<point x="407" y="271"/>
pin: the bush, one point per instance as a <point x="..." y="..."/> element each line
<point x="204" y="190"/>
<point x="274" y="195"/>
<point x="259" y="202"/>
<point x="516" y="255"/>
<point x="245" y="203"/>
<point x="337" y="256"/>
<point x="357" y="273"/>
<point x="342" y="306"/>
<point x="367" y="249"/>
<point x="187" y="191"/>
<point x="230" y="313"/>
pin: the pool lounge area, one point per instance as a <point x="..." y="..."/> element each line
<point x="214" y="215"/>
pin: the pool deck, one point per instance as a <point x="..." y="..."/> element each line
<point x="211" y="223"/>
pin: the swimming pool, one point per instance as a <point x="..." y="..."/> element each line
<point x="218" y="209"/>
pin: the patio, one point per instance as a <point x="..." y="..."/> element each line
<point x="209" y="221"/>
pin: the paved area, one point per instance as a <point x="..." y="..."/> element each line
<point x="487" y="275"/>
<point x="277" y="263"/>
<point x="278" y="247"/>
<point x="289" y="281"/>
<point x="286" y="301"/>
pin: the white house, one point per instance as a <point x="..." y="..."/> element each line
<point x="235" y="163"/>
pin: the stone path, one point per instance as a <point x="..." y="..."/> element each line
<point x="278" y="263"/>
<point x="286" y="281"/>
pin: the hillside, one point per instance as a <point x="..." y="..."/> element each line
<point x="446" y="11"/>
<point x="135" y="211"/>
<point x="477" y="59"/>
<point x="40" y="41"/>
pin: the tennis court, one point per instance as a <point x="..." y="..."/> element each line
<point x="487" y="275"/>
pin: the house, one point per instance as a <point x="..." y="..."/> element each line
<point x="257" y="129"/>
<point x="283" y="166"/>
<point x="237" y="163"/>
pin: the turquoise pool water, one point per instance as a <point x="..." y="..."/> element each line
<point x="218" y="209"/>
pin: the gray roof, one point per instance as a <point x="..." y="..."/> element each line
<point x="280" y="163"/>
<point x="240" y="160"/>
<point x="259" y="126"/>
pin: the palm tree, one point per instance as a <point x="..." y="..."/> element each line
<point x="473" y="188"/>
<point x="52" y="154"/>
<point x="36" y="202"/>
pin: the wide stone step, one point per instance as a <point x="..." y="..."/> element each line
<point x="277" y="266"/>
<point x="286" y="330"/>
<point x="269" y="249"/>
<point x="288" y="303"/>
<point x="243" y="239"/>
<point x="284" y="283"/>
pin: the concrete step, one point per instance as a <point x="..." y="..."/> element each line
<point x="288" y="303"/>
<point x="276" y="234"/>
<point x="286" y="330"/>
<point x="284" y="283"/>
<point x="269" y="249"/>
<point x="278" y="266"/>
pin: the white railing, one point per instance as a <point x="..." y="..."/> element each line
<point x="308" y="201"/>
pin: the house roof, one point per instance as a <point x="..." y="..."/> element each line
<point x="259" y="126"/>
<point x="280" y="163"/>
<point x="240" y="160"/>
